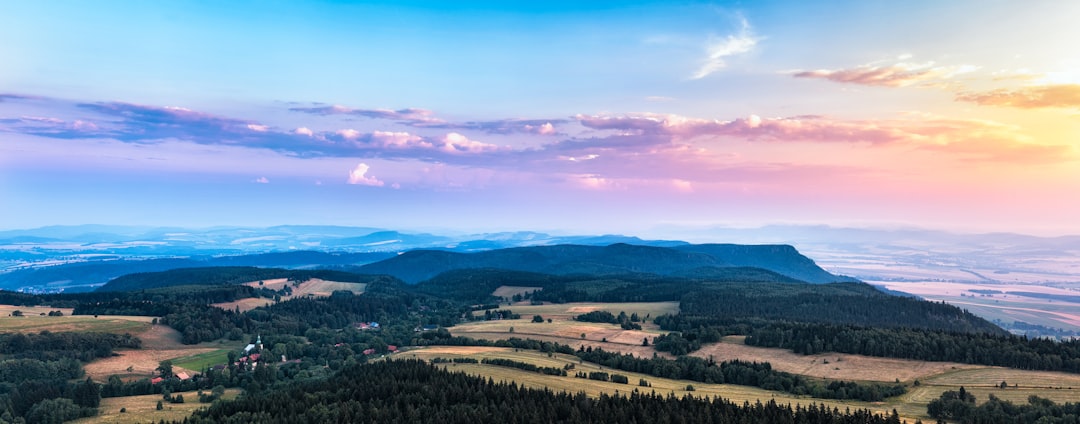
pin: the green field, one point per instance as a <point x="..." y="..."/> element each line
<point x="203" y="361"/>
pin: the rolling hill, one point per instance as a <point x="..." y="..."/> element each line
<point x="685" y="260"/>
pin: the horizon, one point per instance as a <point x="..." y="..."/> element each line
<point x="602" y="118"/>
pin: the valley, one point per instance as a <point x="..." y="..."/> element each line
<point x="629" y="320"/>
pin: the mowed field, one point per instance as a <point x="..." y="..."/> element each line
<point x="508" y="292"/>
<point x="934" y="377"/>
<point x="143" y="409"/>
<point x="564" y="330"/>
<point x="313" y="287"/>
<point x="33" y="322"/>
<point x="569" y="383"/>
<point x="159" y="342"/>
<point x="833" y="366"/>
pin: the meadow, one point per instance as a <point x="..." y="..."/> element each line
<point x="143" y="409"/>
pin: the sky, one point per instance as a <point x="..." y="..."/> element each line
<point x="585" y="117"/>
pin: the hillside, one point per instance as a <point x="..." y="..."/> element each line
<point x="83" y="276"/>
<point x="780" y="258"/>
<point x="212" y="276"/>
<point x="615" y="259"/>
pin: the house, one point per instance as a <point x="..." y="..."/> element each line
<point x="182" y="375"/>
<point x="156" y="380"/>
<point x="248" y="348"/>
<point x="429" y="327"/>
<point x="369" y="351"/>
<point x="392" y="348"/>
<point x="254" y="357"/>
<point x="368" y="326"/>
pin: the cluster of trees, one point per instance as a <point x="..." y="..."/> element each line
<point x="48" y="346"/>
<point x="630" y="322"/>
<point x="755" y="374"/>
<point x="984" y="349"/>
<point x="455" y="361"/>
<point x="960" y="406"/>
<point x="497" y="314"/>
<point x="1011" y="351"/>
<point x="411" y="391"/>
<point x="40" y="372"/>
<point x="525" y="366"/>
<point x="838" y="303"/>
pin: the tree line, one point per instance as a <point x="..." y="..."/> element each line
<point x="412" y="391"/>
<point x="960" y="406"/>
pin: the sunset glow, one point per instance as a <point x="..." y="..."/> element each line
<point x="577" y="116"/>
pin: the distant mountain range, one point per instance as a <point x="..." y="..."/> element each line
<point x="683" y="260"/>
<point x="86" y="256"/>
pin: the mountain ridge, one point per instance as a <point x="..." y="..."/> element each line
<point x="423" y="264"/>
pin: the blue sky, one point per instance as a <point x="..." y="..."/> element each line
<point x="576" y="116"/>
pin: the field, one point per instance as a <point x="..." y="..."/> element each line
<point x="836" y="366"/>
<point x="563" y="329"/>
<point x="143" y="409"/>
<point x="32" y="321"/>
<point x="312" y="287"/>
<point x="981" y="381"/>
<point x="572" y="384"/>
<point x="934" y="377"/>
<point x="201" y="361"/>
<point x="508" y="292"/>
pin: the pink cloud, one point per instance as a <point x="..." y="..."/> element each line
<point x="1032" y="97"/>
<point x="897" y="75"/>
<point x="971" y="138"/>
<point x="358" y="176"/>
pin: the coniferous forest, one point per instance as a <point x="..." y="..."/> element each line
<point x="415" y="392"/>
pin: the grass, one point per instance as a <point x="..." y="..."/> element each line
<point x="33" y="322"/>
<point x="836" y="366"/>
<point x="563" y="329"/>
<point x="570" y="310"/>
<point x="508" y="292"/>
<point x="594" y="388"/>
<point x="312" y="287"/>
<point x="204" y="360"/>
<point x="142" y="409"/>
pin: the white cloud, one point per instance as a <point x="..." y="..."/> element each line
<point x="261" y="180"/>
<point x="258" y="128"/>
<point x="720" y="49"/>
<point x="545" y="129"/>
<point x="348" y="134"/>
<point x="398" y="139"/>
<point x="304" y="131"/>
<point x="358" y="176"/>
<point x="457" y="143"/>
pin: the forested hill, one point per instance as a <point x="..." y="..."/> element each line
<point x="213" y="276"/>
<point x="80" y="275"/>
<point x="780" y="258"/>
<point x="616" y="259"/>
